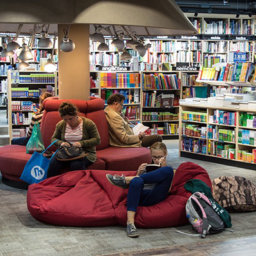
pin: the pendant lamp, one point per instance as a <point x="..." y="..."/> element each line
<point x="67" y="45"/>
<point x="50" y="66"/>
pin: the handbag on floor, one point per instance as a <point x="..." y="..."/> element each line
<point x="35" y="142"/>
<point x="37" y="166"/>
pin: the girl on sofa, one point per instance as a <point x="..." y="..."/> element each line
<point x="146" y="188"/>
<point x="78" y="131"/>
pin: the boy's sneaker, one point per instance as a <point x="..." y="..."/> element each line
<point x="117" y="180"/>
<point x="132" y="231"/>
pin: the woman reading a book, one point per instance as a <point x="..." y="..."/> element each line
<point x="148" y="187"/>
<point x="120" y="132"/>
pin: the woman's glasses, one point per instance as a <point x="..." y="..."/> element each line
<point x="158" y="157"/>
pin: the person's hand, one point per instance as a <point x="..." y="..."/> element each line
<point x="77" y="144"/>
<point x="65" y="144"/>
<point x="141" y="135"/>
<point x="141" y="169"/>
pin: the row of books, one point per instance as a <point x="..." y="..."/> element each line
<point x="188" y="79"/>
<point x="4" y="68"/>
<point x="24" y="106"/>
<point x="226" y="135"/>
<point x="247" y="155"/>
<point x="247" y="120"/>
<point x="130" y="96"/>
<point x="131" y="112"/>
<point x="238" y="72"/>
<point x="243" y="46"/>
<point x="223" y="117"/>
<point x="119" y="80"/>
<point x="103" y="59"/>
<point x="19" y="118"/>
<point x="194" y="145"/>
<point x="159" y="116"/>
<point x="167" y="129"/>
<point x="3" y="85"/>
<point x="194" y="130"/>
<point x="221" y="150"/>
<point x="17" y="133"/>
<point x="194" y="116"/>
<point x="212" y="47"/>
<point x="33" y="78"/>
<point x="209" y="60"/>
<point x="24" y="93"/>
<point x="151" y="99"/>
<point x="247" y="137"/>
<point x="160" y="81"/>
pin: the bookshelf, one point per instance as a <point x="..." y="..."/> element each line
<point x="24" y="89"/>
<point x="217" y="132"/>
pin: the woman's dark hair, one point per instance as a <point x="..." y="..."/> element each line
<point x="115" y="98"/>
<point x="42" y="97"/>
<point x="67" y="108"/>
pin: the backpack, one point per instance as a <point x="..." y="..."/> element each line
<point x="202" y="216"/>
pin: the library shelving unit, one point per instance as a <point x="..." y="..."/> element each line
<point x="160" y="102"/>
<point x="24" y="89"/>
<point x="125" y="83"/>
<point x="217" y="132"/>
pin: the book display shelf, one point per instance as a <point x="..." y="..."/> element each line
<point x="217" y="131"/>
<point x="24" y="89"/>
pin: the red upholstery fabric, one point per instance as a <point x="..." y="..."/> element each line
<point x="13" y="158"/>
<point x="86" y="198"/>
<point x="128" y="158"/>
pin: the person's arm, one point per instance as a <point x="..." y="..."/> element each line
<point x="92" y="131"/>
<point x="35" y="118"/>
<point x="57" y="134"/>
<point x="117" y="126"/>
<point x="141" y="169"/>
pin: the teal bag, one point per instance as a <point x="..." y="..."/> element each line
<point x="35" y="142"/>
<point x="37" y="166"/>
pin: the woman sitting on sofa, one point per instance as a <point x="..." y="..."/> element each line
<point x="78" y="131"/>
<point x="146" y="188"/>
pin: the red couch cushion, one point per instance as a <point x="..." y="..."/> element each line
<point x="127" y="158"/>
<point x="86" y="198"/>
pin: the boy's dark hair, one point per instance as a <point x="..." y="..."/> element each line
<point x="67" y="108"/>
<point x="115" y="98"/>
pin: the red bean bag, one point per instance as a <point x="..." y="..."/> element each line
<point x="86" y="198"/>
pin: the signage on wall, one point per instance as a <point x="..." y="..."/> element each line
<point x="111" y="68"/>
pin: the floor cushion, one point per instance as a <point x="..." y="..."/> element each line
<point x="86" y="198"/>
<point x="235" y="193"/>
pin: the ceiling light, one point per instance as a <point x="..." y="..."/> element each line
<point x="25" y="54"/>
<point x="67" y="44"/>
<point x="50" y="66"/>
<point x="126" y="56"/>
<point x="132" y="44"/>
<point x="97" y="37"/>
<point x="141" y="50"/>
<point x="44" y="42"/>
<point x="12" y="45"/>
<point x="22" y="65"/>
<point x="103" y="47"/>
<point x="119" y="44"/>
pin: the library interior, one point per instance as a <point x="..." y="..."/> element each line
<point x="187" y="71"/>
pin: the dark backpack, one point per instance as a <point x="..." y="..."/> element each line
<point x="202" y="216"/>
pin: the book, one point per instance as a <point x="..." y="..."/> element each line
<point x="139" y="128"/>
<point x="152" y="167"/>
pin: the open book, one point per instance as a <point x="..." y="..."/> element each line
<point x="152" y="167"/>
<point x="139" y="127"/>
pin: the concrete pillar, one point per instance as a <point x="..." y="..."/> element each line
<point x="74" y="67"/>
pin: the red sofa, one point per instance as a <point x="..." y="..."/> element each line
<point x="86" y="198"/>
<point x="13" y="157"/>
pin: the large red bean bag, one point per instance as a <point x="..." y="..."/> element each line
<point x="86" y="198"/>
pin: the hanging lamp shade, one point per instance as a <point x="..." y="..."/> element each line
<point x="97" y="37"/>
<point x="67" y="45"/>
<point x="118" y="43"/>
<point x="132" y="44"/>
<point x="25" y="54"/>
<point x="44" y="42"/>
<point x="50" y="66"/>
<point x="141" y="50"/>
<point x="22" y="65"/>
<point x="125" y="56"/>
<point x="11" y="46"/>
<point x="103" y="47"/>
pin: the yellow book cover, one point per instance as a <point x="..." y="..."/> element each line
<point x="243" y="72"/>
